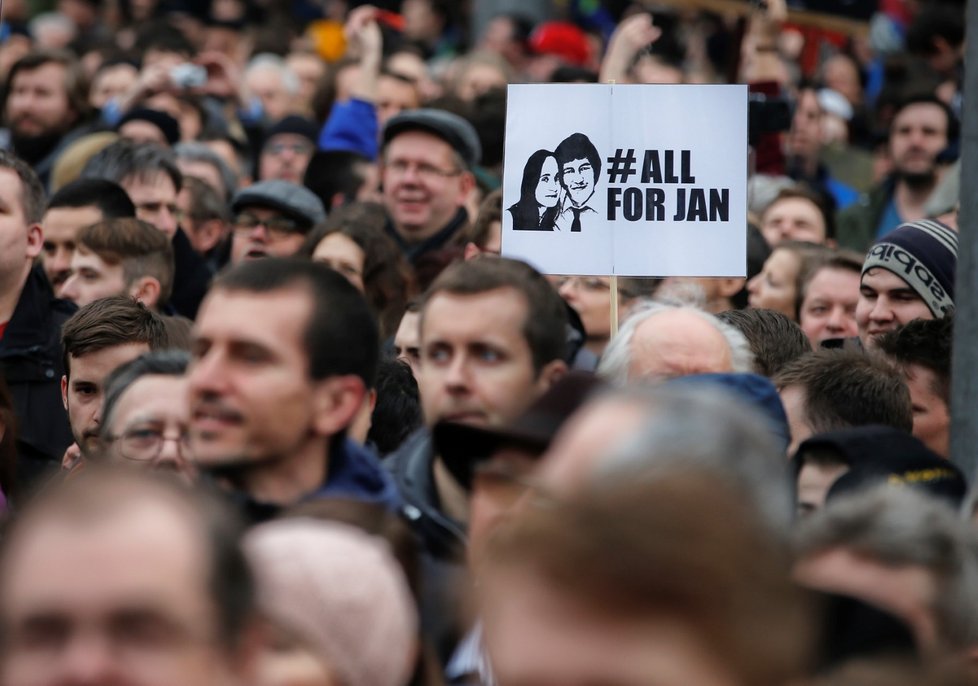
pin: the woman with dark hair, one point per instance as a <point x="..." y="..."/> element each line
<point x="354" y="243"/>
<point x="539" y="202"/>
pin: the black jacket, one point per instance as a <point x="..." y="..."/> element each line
<point x="442" y="541"/>
<point x="412" y="466"/>
<point x="191" y="277"/>
<point x="31" y="361"/>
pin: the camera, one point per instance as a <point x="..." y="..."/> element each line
<point x="188" y="75"/>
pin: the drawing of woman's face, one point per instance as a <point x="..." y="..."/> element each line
<point x="548" y="189"/>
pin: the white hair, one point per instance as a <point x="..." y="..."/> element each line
<point x="617" y="357"/>
<point x="51" y="21"/>
<point x="272" y="62"/>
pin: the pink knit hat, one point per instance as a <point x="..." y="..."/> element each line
<point x="341" y="590"/>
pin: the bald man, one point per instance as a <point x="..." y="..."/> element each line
<point x="661" y="341"/>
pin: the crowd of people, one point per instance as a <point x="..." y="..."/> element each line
<point x="274" y="411"/>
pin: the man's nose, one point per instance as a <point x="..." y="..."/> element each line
<point x="173" y="452"/>
<point x="836" y="319"/>
<point x="88" y="660"/>
<point x="61" y="262"/>
<point x="457" y="375"/>
<point x="881" y="310"/>
<point x="69" y="290"/>
<point x="206" y="375"/>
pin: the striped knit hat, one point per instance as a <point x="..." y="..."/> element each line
<point x="924" y="254"/>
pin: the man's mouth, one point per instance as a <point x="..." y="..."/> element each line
<point x="466" y="417"/>
<point x="210" y="419"/>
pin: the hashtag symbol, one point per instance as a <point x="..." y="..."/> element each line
<point x="622" y="165"/>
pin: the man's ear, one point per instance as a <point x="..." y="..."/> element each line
<point x="471" y="251"/>
<point x="146" y="289"/>
<point x="466" y="184"/>
<point x="551" y="373"/>
<point x="336" y="401"/>
<point x="35" y="240"/>
<point x="64" y="391"/>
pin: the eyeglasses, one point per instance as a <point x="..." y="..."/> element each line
<point x="279" y="226"/>
<point x="426" y="172"/>
<point x="297" y="148"/>
<point x="144" y="444"/>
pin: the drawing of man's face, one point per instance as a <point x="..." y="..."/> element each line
<point x="578" y="179"/>
<point x="548" y="189"/>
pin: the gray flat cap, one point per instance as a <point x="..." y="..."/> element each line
<point x="451" y="128"/>
<point x="294" y="201"/>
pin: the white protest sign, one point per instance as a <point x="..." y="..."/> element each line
<point x="632" y="180"/>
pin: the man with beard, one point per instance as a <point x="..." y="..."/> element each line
<point x="45" y="103"/>
<point x="921" y="129"/>
<point x="580" y="165"/>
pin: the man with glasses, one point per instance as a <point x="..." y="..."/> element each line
<point x="146" y="414"/>
<point x="427" y="159"/>
<point x="289" y="145"/>
<point x="272" y="218"/>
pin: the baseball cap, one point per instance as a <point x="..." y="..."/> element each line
<point x="563" y="39"/>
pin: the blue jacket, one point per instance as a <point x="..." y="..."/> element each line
<point x="354" y="473"/>
<point x="352" y="127"/>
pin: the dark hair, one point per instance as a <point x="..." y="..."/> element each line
<point x="107" y="196"/>
<point x="332" y="172"/>
<point x="839" y="259"/>
<point x="141" y="249"/>
<point x="803" y="192"/>
<point x="101" y="493"/>
<point x="545" y="326"/>
<point x="125" y="159"/>
<point x="924" y="342"/>
<point x="757" y="253"/>
<point x="341" y="335"/>
<point x="162" y="37"/>
<point x="953" y="125"/>
<point x="774" y="339"/>
<point x="398" y="410"/>
<point x="575" y="147"/>
<point x="32" y="192"/>
<point x="844" y="388"/>
<point x="196" y="151"/>
<point x="387" y="278"/>
<point x="105" y="323"/>
<point x="935" y="21"/>
<point x="75" y="83"/>
<point x="158" y="363"/>
<point x="205" y="202"/>
<point x="527" y="208"/>
<point x="488" y="118"/>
